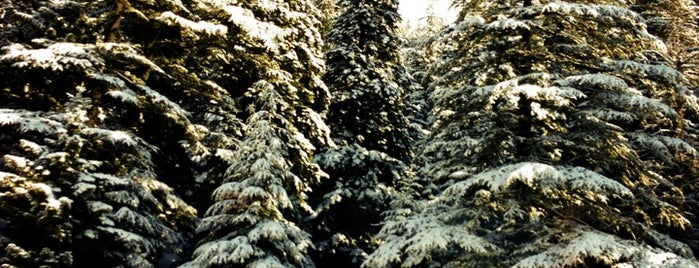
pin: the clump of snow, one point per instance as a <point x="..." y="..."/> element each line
<point x="196" y="28"/>
<point x="268" y="33"/>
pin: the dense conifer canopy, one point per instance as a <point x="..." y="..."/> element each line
<point x="318" y="133"/>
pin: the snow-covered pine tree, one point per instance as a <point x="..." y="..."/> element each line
<point x="367" y="79"/>
<point x="368" y="84"/>
<point x="547" y="117"/>
<point x="252" y="220"/>
<point x="675" y="22"/>
<point x="79" y="189"/>
<point x="234" y="46"/>
<point x="260" y="204"/>
<point x="150" y="95"/>
<point x="73" y="137"/>
<point x="146" y="55"/>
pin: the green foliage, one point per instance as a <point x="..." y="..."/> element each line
<point x="72" y="182"/>
<point x="545" y="114"/>
<point x="367" y="79"/>
<point x="137" y="116"/>
<point x="139" y="133"/>
<point x="362" y="186"/>
<point x="252" y="219"/>
<point x="367" y="116"/>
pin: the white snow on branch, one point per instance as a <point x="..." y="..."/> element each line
<point x="268" y="231"/>
<point x="111" y="136"/>
<point x="663" y="146"/>
<point x="543" y="178"/>
<point x="224" y="252"/>
<point x="103" y="179"/>
<point x="606" y="249"/>
<point x="638" y="103"/>
<point x="269" y="34"/>
<point x="196" y="28"/>
<point x="420" y="238"/>
<point x="612" y="115"/>
<point x="508" y="24"/>
<point x="668" y="243"/>
<point x="99" y="207"/>
<point x="125" y="95"/>
<point x="120" y="90"/>
<point x="32" y="147"/>
<point x="268" y="262"/>
<point x="174" y="111"/>
<point x="253" y="193"/>
<point x="501" y="178"/>
<point x="467" y="23"/>
<point x="82" y="188"/>
<point x="570" y="9"/>
<point x="596" y="80"/>
<point x="652" y="70"/>
<point x="228" y="190"/>
<point x="592" y="184"/>
<point x="605" y="13"/>
<point x="27" y="121"/>
<point x="512" y="90"/>
<point x="56" y="57"/>
<point x="602" y="247"/>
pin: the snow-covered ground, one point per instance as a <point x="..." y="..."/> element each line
<point x="414" y="11"/>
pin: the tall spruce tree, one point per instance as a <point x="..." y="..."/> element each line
<point x="260" y="205"/>
<point x="368" y="84"/>
<point x="251" y="222"/>
<point x="117" y="115"/>
<point x="549" y="117"/>
<point x="76" y="155"/>
<point x="367" y="79"/>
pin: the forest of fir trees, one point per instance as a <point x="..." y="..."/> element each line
<point x="322" y="133"/>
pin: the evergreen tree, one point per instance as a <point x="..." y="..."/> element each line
<point x="367" y="79"/>
<point x="260" y="204"/>
<point x="675" y="23"/>
<point x="548" y="117"/>
<point x="368" y="84"/>
<point x="135" y="116"/>
<point x="92" y="180"/>
<point x="95" y="188"/>
<point x="247" y="225"/>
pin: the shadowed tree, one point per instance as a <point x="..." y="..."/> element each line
<point x="368" y="84"/>
<point x="367" y="79"/>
